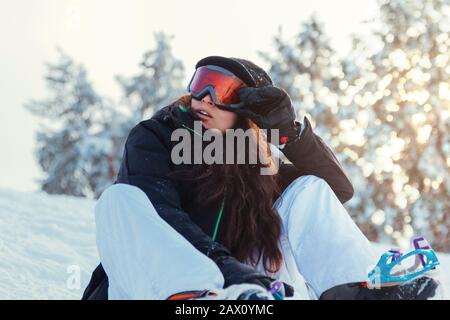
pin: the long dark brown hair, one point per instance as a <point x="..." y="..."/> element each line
<point x="252" y="226"/>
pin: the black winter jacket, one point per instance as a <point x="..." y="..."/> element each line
<point x="146" y="164"/>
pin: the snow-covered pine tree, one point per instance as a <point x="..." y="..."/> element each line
<point x="354" y="126"/>
<point x="309" y="70"/>
<point x="406" y="91"/>
<point x="80" y="143"/>
<point x="72" y="149"/>
<point x="321" y="85"/>
<point x="159" y="81"/>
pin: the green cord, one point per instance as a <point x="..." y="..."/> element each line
<point x="218" y="219"/>
<point x="192" y="130"/>
<point x="182" y="108"/>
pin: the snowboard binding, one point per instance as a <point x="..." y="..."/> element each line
<point x="389" y="271"/>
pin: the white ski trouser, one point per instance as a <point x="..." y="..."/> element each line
<point x="145" y="258"/>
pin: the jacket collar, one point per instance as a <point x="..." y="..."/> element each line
<point x="177" y="115"/>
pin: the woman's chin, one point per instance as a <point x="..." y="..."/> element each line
<point x="214" y="129"/>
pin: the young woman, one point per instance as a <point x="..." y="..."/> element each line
<point x="167" y="227"/>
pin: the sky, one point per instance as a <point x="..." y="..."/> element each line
<point x="109" y="38"/>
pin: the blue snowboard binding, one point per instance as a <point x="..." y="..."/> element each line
<point x="384" y="274"/>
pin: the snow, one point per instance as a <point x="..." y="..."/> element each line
<point x="42" y="237"/>
<point x="45" y="239"/>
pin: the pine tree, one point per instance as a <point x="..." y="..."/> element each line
<point x="385" y="113"/>
<point x="320" y="84"/>
<point x="309" y="70"/>
<point x="405" y="90"/>
<point x="80" y="143"/>
<point x="69" y="147"/>
<point x="160" y="80"/>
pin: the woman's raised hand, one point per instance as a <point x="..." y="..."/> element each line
<point x="270" y="107"/>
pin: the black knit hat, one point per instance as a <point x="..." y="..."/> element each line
<point x="245" y="70"/>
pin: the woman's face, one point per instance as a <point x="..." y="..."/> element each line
<point x="211" y="116"/>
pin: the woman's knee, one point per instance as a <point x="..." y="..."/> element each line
<point x="303" y="194"/>
<point x="120" y="192"/>
<point x="120" y="197"/>
<point x="308" y="183"/>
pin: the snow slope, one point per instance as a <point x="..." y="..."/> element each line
<point x="41" y="238"/>
<point x="45" y="240"/>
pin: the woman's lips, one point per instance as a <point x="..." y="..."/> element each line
<point x="202" y="114"/>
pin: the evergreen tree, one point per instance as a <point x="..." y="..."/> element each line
<point x="160" y="80"/>
<point x="320" y="84"/>
<point x="407" y="92"/>
<point x="68" y="144"/>
<point x="80" y="143"/>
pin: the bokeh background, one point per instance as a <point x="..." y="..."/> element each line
<point x="372" y="77"/>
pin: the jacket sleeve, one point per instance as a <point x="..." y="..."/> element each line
<point x="310" y="155"/>
<point x="146" y="165"/>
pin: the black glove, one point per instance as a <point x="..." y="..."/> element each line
<point x="270" y="108"/>
<point x="235" y="272"/>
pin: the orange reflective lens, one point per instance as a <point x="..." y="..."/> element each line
<point x="221" y="84"/>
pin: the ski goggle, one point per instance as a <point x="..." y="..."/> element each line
<point x="220" y="83"/>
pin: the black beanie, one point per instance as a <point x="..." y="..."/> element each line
<point x="245" y="70"/>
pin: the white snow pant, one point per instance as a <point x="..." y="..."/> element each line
<point x="145" y="258"/>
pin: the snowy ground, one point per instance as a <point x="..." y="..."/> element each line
<point x="45" y="240"/>
<point x="43" y="237"/>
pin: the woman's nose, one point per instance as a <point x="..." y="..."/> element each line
<point x="207" y="99"/>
